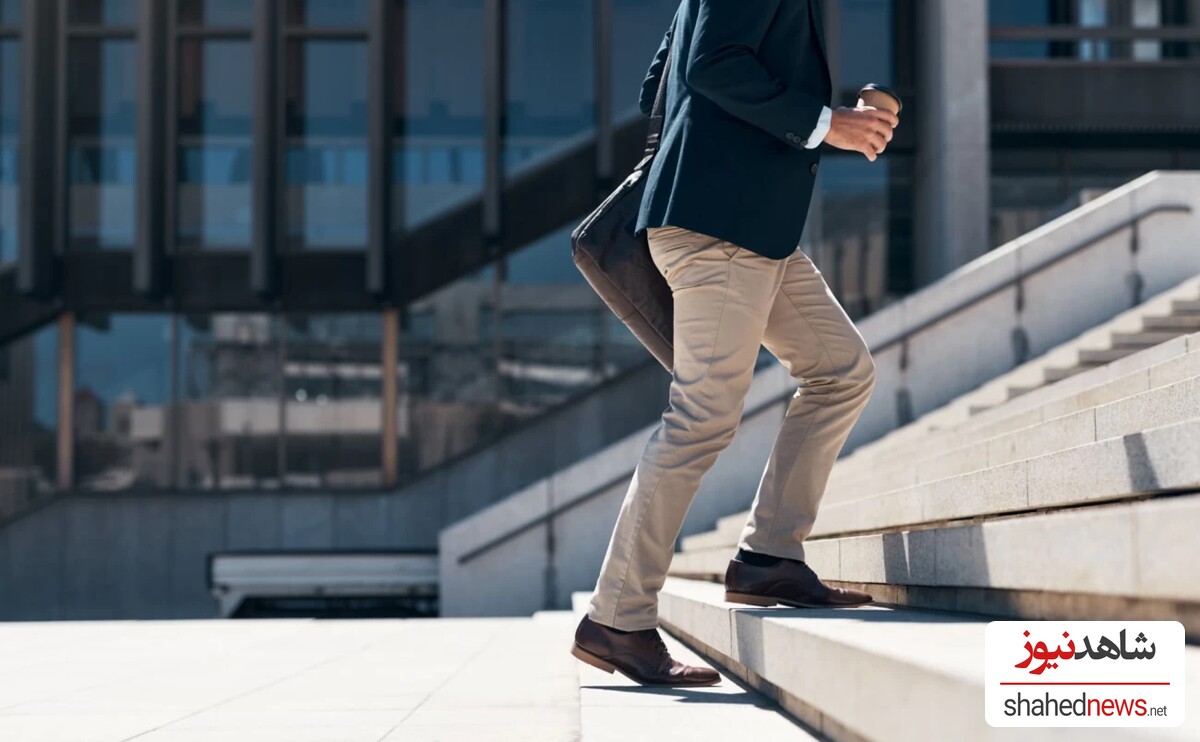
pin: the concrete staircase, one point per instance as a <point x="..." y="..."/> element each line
<point x="1074" y="499"/>
<point x="1170" y="315"/>
<point x="613" y="708"/>
<point x="875" y="673"/>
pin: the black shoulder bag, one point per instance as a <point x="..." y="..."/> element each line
<point x="616" y="261"/>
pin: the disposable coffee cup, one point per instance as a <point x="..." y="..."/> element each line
<point x="878" y="96"/>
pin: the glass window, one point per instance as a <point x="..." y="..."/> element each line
<point x="1008" y="13"/>
<point x="1093" y="14"/>
<point x="29" y="425"/>
<point x="326" y="167"/>
<point x="215" y="115"/>
<point x="333" y="392"/>
<point x="854" y="222"/>
<point x="472" y="367"/>
<point x="102" y="12"/>
<point x="638" y="29"/>
<point x="102" y="95"/>
<point x="447" y="370"/>
<point x="438" y="150"/>
<point x="866" y="48"/>
<point x="216" y="12"/>
<point x="122" y="392"/>
<point x="550" y="85"/>
<point x="10" y="126"/>
<point x="1031" y="187"/>
<point x="327" y="13"/>
<point x="228" y="415"/>
<point x="10" y="12"/>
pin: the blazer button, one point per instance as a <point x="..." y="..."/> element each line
<point x="803" y="142"/>
<point x="813" y="169"/>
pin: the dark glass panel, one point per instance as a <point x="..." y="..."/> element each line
<point x="865" y="52"/>
<point x="101" y="12"/>
<point x="122" y="398"/>
<point x="229" y="406"/>
<point x="101" y="154"/>
<point x="476" y="362"/>
<point x="327" y="13"/>
<point x="326" y="166"/>
<point x="438" y="150"/>
<point x="638" y="28"/>
<point x="551" y="79"/>
<point x="11" y="12"/>
<point x="1031" y="187"/>
<point x="216" y="12"/>
<point x="850" y="225"/>
<point x="333" y="392"/>
<point x="29" y="423"/>
<point x="10" y="128"/>
<point x="215" y="116"/>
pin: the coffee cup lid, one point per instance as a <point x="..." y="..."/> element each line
<point x="883" y="89"/>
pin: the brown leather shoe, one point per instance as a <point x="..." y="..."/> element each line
<point x="789" y="582"/>
<point x="640" y="656"/>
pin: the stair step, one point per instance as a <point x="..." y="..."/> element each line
<point x="1121" y="466"/>
<point x="1058" y="374"/>
<point x="1185" y="306"/>
<point x="1031" y="375"/>
<point x="1105" y="355"/>
<point x="1099" y="560"/>
<point x="877" y="672"/>
<point x="1186" y="322"/>
<point x="1161" y="364"/>
<point x="1111" y="469"/>
<point x="613" y="708"/>
<point x="1143" y="339"/>
<point x="1164" y="405"/>
<point x="1018" y="391"/>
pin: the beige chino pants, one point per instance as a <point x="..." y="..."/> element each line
<point x="728" y="302"/>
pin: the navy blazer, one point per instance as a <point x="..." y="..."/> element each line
<point x="747" y="83"/>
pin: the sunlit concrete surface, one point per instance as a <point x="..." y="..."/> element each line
<point x="344" y="681"/>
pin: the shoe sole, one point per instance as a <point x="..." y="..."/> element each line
<point x="585" y="656"/>
<point x="766" y="602"/>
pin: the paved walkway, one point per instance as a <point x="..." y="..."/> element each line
<point x="344" y="681"/>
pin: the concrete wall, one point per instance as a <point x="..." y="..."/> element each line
<point x="564" y="522"/>
<point x="145" y="556"/>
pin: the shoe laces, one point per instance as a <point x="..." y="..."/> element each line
<point x="661" y="646"/>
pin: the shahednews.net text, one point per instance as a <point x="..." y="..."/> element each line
<point x="1082" y="706"/>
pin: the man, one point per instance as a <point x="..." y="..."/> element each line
<point x="725" y="205"/>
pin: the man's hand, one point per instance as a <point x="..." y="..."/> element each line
<point x="866" y="130"/>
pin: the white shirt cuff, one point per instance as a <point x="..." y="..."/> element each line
<point x="821" y="130"/>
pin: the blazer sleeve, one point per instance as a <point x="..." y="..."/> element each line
<point x="650" y="84"/>
<point x="722" y="66"/>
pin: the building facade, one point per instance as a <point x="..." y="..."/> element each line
<point x="323" y="244"/>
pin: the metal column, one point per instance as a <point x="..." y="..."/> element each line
<point x="604" y="92"/>
<point x="149" y="236"/>
<point x="38" y="153"/>
<point x="267" y="146"/>
<point x="380" y="92"/>
<point x="495" y="72"/>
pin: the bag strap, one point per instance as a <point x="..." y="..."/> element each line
<point x="658" y="113"/>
